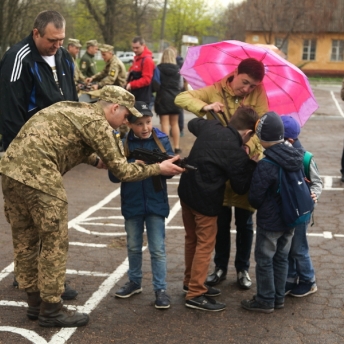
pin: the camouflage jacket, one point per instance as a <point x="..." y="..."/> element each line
<point x="78" y="76"/>
<point x="62" y="136"/>
<point x="88" y="65"/>
<point x="114" y="73"/>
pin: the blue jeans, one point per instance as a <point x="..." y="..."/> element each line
<point x="155" y="226"/>
<point x="271" y="254"/>
<point x="300" y="263"/>
<point x="244" y="237"/>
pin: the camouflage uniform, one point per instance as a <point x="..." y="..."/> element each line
<point x="78" y="76"/>
<point x="51" y="143"/>
<point x="114" y="72"/>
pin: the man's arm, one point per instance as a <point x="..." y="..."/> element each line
<point x="110" y="75"/>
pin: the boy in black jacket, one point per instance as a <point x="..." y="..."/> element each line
<point x="219" y="155"/>
<point x="273" y="236"/>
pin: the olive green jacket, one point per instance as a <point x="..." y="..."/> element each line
<point x="195" y="100"/>
<point x="62" y="136"/>
<point x="88" y="66"/>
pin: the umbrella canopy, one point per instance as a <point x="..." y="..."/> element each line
<point x="287" y="87"/>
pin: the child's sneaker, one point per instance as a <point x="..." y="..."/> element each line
<point x="289" y="286"/>
<point x="162" y="300"/>
<point x="304" y="289"/>
<point x="130" y="288"/>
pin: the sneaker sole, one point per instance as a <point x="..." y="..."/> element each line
<point x="312" y="291"/>
<point x="205" y="309"/>
<point x="162" y="307"/>
<point x="280" y="306"/>
<point x="137" y="291"/>
<point x="262" y="310"/>
<point x="287" y="292"/>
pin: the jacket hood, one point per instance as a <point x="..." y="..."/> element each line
<point x="284" y="154"/>
<point x="168" y="68"/>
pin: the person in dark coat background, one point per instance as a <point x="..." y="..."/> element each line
<point x="170" y="87"/>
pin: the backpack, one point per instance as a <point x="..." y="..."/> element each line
<point x="156" y="80"/>
<point x="296" y="204"/>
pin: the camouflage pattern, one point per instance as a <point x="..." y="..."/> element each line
<point x="74" y="42"/>
<point x="92" y="42"/>
<point x="88" y="66"/>
<point x="106" y="47"/>
<point x="39" y="224"/>
<point x="65" y="135"/>
<point x="78" y="76"/>
<point x="119" y="95"/>
<point x="114" y="73"/>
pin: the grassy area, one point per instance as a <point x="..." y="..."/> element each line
<point x="326" y="80"/>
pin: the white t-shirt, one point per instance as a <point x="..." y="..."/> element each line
<point x="51" y="62"/>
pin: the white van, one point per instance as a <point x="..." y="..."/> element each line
<point x="126" y="57"/>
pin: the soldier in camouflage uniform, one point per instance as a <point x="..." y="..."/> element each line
<point x="51" y="143"/>
<point x="73" y="48"/>
<point x="88" y="65"/>
<point x="114" y="72"/>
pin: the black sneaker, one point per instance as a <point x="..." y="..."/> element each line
<point x="279" y="304"/>
<point x="69" y="293"/>
<point x="205" y="303"/>
<point x="162" y="300"/>
<point x="211" y="291"/>
<point x="254" y="305"/>
<point x="130" y="288"/>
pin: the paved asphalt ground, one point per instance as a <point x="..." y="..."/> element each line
<point x="97" y="265"/>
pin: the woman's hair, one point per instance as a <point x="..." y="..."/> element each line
<point x="253" y="68"/>
<point x="244" y="118"/>
<point x="46" y="17"/>
<point x="169" y="56"/>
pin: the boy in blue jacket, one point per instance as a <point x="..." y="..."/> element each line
<point x="273" y="236"/>
<point x="143" y="205"/>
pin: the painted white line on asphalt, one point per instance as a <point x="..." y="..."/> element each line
<point x="328" y="235"/>
<point x="327" y="182"/>
<point x="337" y="104"/>
<point x="84" y="230"/>
<point x="29" y="335"/>
<point x="87" y="273"/>
<point x="87" y="245"/>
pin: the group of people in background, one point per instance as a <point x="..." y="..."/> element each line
<point x="37" y="75"/>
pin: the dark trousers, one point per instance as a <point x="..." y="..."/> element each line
<point x="342" y="163"/>
<point x="181" y="120"/>
<point x="244" y="237"/>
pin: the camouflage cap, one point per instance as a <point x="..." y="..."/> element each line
<point x="106" y="47"/>
<point x="74" y="42"/>
<point x="118" y="95"/>
<point x="92" y="43"/>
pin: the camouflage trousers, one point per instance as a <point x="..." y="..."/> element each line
<point x="39" y="224"/>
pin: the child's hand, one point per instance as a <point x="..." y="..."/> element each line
<point x="314" y="196"/>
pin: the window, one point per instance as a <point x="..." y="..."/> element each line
<point x="309" y="48"/>
<point x="337" y="52"/>
<point x="284" y="47"/>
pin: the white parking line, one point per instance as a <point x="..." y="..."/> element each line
<point x="337" y="104"/>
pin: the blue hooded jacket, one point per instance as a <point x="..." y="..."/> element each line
<point x="140" y="198"/>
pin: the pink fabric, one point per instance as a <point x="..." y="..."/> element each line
<point x="287" y="87"/>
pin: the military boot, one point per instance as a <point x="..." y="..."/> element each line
<point x="55" y="315"/>
<point x="34" y="303"/>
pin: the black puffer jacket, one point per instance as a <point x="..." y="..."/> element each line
<point x="218" y="155"/>
<point x="169" y="89"/>
<point x="263" y="191"/>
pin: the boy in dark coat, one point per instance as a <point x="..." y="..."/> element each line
<point x="273" y="236"/>
<point x="218" y="155"/>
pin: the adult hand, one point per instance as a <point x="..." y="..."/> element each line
<point x="88" y="80"/>
<point x="168" y="168"/>
<point x="128" y="87"/>
<point x="314" y="196"/>
<point x="95" y="87"/>
<point x="101" y="165"/>
<point x="217" y="107"/>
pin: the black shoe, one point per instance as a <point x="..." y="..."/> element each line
<point x="69" y="293"/>
<point x="254" y="305"/>
<point x="342" y="179"/>
<point x="279" y="304"/>
<point x="244" y="280"/>
<point x="54" y="315"/>
<point x="162" y="300"/>
<point x="205" y="303"/>
<point x="15" y="282"/>
<point x="210" y="292"/>
<point x="129" y="289"/>
<point x="216" y="277"/>
<point x="34" y="302"/>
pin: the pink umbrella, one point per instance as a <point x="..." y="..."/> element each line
<point x="287" y="87"/>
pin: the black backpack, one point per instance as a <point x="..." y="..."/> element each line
<point x="296" y="204"/>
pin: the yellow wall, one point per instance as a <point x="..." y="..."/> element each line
<point x="322" y="64"/>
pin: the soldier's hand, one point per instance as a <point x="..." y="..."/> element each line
<point x="101" y="165"/>
<point x="88" y="80"/>
<point x="95" y="87"/>
<point x="168" y="168"/>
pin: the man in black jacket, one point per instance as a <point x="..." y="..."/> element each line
<point x="219" y="155"/>
<point x="34" y="74"/>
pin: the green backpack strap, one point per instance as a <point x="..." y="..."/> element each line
<point x="306" y="163"/>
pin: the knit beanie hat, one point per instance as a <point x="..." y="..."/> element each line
<point x="270" y="128"/>
<point x="291" y="127"/>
